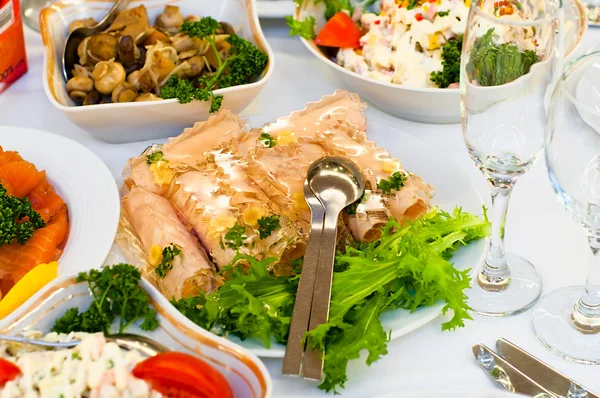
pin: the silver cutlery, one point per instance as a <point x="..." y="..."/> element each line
<point x="336" y="182"/>
<point x="126" y="341"/>
<point x="292" y="362"/>
<point x="515" y="370"/>
<point x="70" y="56"/>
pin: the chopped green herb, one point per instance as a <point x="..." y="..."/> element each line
<point x="116" y="293"/>
<point x="332" y="7"/>
<point x="18" y="220"/>
<point x="234" y="238"/>
<point x="443" y="13"/>
<point x="154" y="157"/>
<point x="267" y="140"/>
<point x="111" y="364"/>
<point x="450" y="72"/>
<point x="394" y="183"/>
<point x="266" y="226"/>
<point x="166" y="263"/>
<point x="76" y="355"/>
<point x="412" y="4"/>
<point x="305" y="28"/>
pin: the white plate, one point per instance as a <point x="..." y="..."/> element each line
<point x="454" y="188"/>
<point x="245" y="373"/>
<point x="83" y="182"/>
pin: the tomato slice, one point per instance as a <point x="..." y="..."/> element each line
<point x="339" y="31"/>
<point x="8" y="371"/>
<point x="179" y="375"/>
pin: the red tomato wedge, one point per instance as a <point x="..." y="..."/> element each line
<point x="339" y="31"/>
<point x="179" y="375"/>
<point x="8" y="371"/>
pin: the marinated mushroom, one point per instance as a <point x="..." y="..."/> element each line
<point x="127" y="51"/>
<point x="156" y="36"/>
<point x="170" y="20"/>
<point x="102" y="47"/>
<point x="92" y="98"/>
<point x="82" y="51"/>
<point x="225" y="29"/>
<point x="124" y="92"/>
<point x="81" y="23"/>
<point x="147" y="97"/>
<point x="107" y="75"/>
<point x="197" y="64"/>
<point x="79" y="86"/>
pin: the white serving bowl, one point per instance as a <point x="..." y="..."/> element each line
<point x="426" y="105"/>
<point x="137" y="121"/>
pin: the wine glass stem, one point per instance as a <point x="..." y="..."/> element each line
<point x="495" y="274"/>
<point x="586" y="314"/>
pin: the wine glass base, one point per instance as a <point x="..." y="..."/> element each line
<point x="554" y="327"/>
<point x="522" y="292"/>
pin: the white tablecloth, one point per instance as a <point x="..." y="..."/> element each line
<point x="538" y="227"/>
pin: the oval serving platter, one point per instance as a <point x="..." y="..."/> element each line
<point x="453" y="188"/>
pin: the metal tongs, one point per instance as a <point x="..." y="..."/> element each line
<point x="517" y="371"/>
<point x="332" y="184"/>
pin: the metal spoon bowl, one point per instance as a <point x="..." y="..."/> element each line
<point x="70" y="56"/>
<point x="143" y="344"/>
<point x="336" y="182"/>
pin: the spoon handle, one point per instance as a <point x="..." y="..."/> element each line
<point x="42" y="343"/>
<point x="313" y="359"/>
<point x="292" y="362"/>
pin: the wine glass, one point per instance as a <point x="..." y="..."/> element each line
<point x="31" y="12"/>
<point x="509" y="55"/>
<point x="567" y="320"/>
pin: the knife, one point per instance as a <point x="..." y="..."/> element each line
<point x="507" y="376"/>
<point x="542" y="373"/>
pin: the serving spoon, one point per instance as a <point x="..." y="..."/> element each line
<point x="336" y="182"/>
<point x="70" y="56"/>
<point x="126" y="341"/>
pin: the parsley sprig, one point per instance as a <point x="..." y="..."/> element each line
<point x="243" y="62"/>
<point x="116" y="293"/>
<point x="234" y="238"/>
<point x="18" y="220"/>
<point x="267" y="140"/>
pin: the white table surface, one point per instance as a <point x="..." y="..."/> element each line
<point x="427" y="359"/>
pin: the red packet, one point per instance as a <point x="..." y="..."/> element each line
<point x="13" y="61"/>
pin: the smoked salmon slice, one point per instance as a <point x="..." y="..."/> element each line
<point x="45" y="201"/>
<point x="9" y="156"/>
<point x="22" y="176"/>
<point x="16" y="259"/>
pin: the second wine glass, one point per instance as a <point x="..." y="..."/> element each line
<point x="509" y="57"/>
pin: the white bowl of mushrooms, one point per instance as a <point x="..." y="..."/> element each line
<point x="134" y="80"/>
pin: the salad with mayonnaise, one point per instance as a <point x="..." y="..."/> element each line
<point x="94" y="368"/>
<point x="418" y="43"/>
<point x="99" y="368"/>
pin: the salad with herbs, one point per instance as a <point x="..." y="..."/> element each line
<point x="413" y="43"/>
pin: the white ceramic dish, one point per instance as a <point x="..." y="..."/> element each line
<point x="427" y="105"/>
<point x="84" y="183"/>
<point x="245" y="373"/>
<point x="453" y="394"/>
<point x="454" y="188"/>
<point x="138" y="121"/>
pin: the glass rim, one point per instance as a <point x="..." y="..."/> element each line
<point x="552" y="16"/>
<point x="569" y="69"/>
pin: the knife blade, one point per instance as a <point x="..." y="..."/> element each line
<point x="541" y="372"/>
<point x="506" y="375"/>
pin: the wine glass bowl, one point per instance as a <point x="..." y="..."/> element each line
<point x="509" y="58"/>
<point x="567" y="320"/>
